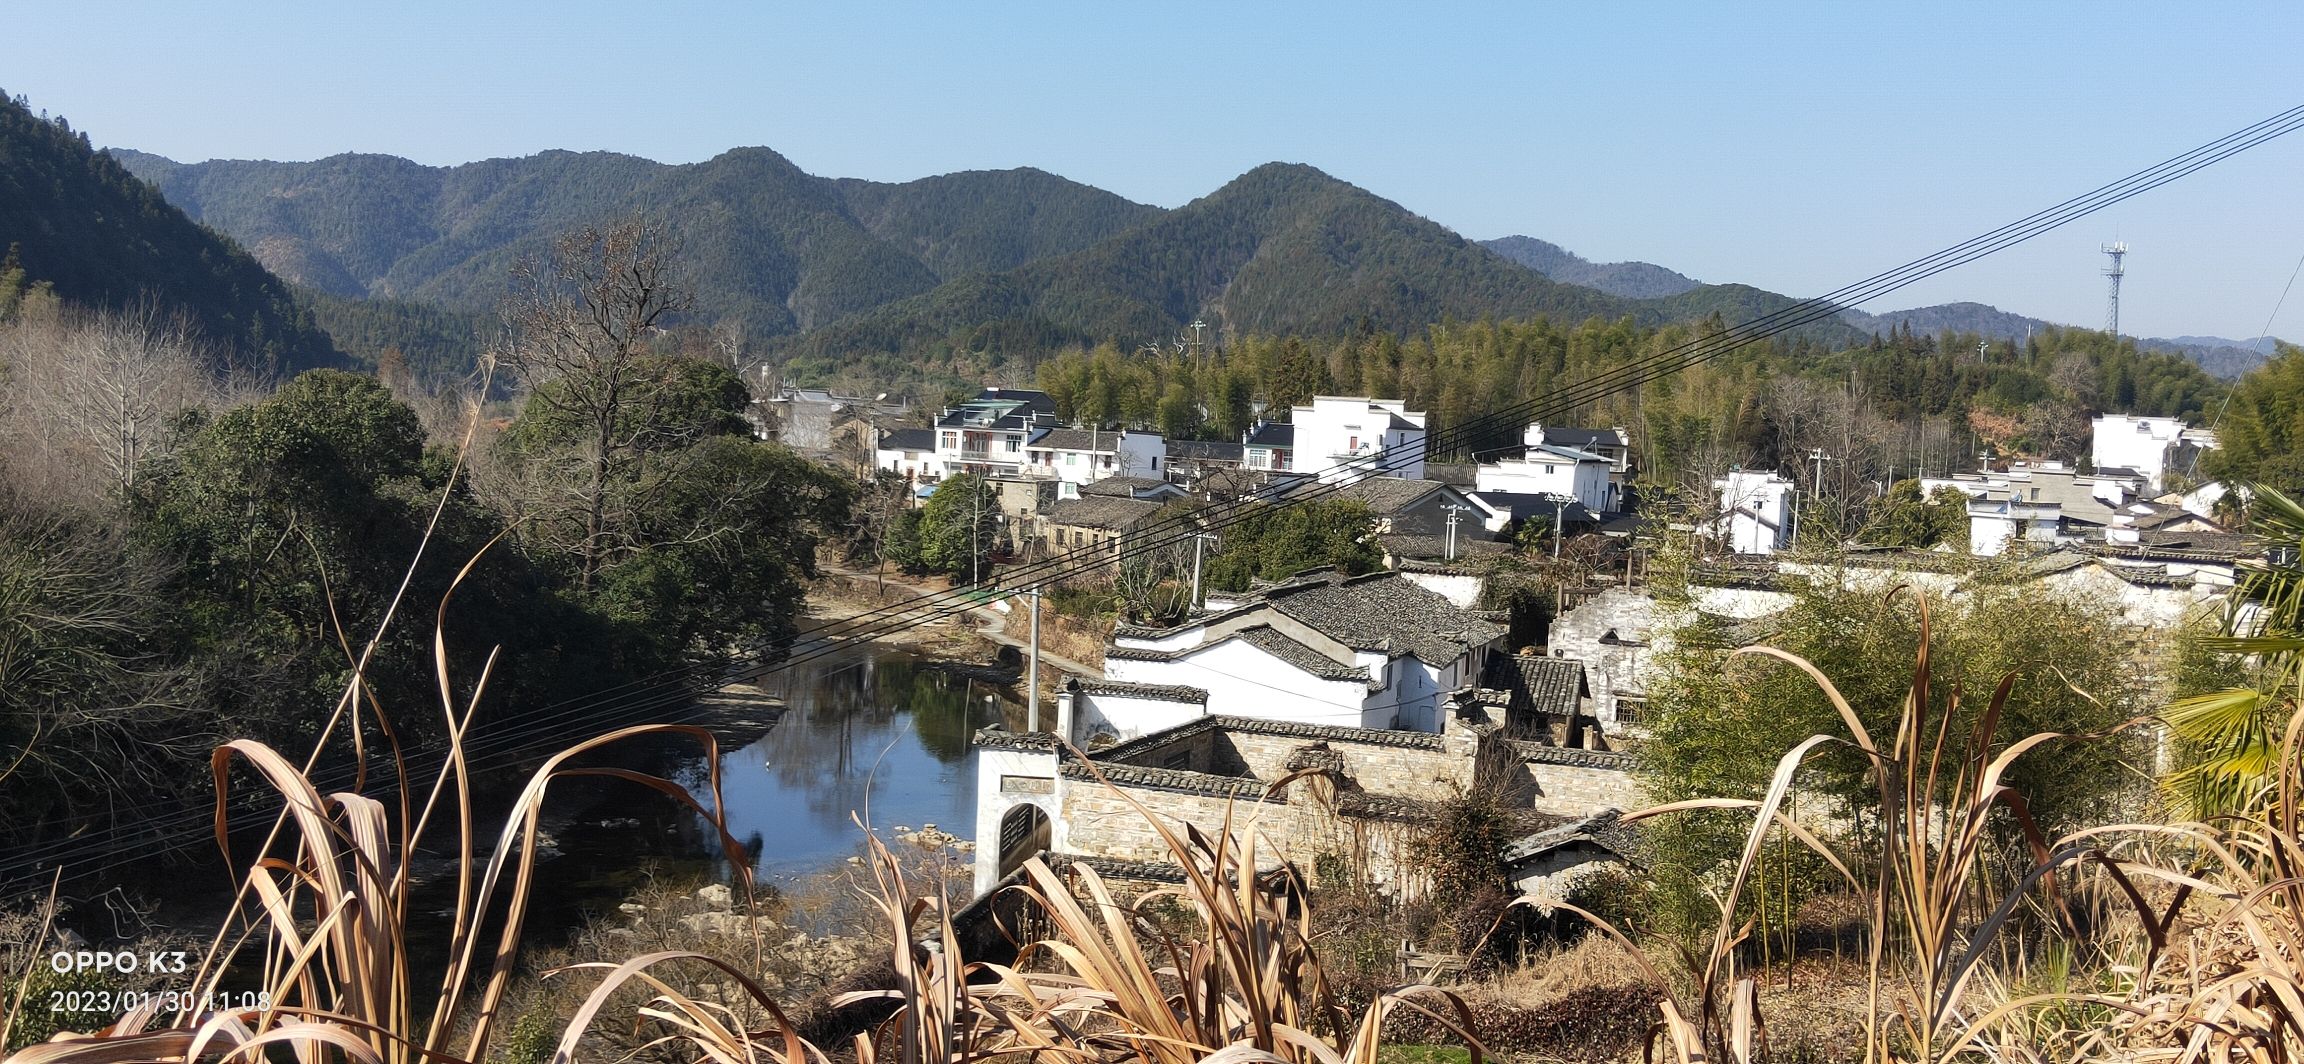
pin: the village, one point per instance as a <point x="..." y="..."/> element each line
<point x="1381" y="695"/>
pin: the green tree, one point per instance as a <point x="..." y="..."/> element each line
<point x="2228" y="734"/>
<point x="1275" y="542"/>
<point x="1720" y="725"/>
<point x="958" y="527"/>
<point x="2261" y="433"/>
<point x="1904" y="519"/>
<point x="583" y="320"/>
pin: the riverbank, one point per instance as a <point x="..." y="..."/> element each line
<point x="974" y="634"/>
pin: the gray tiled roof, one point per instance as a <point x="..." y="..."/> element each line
<point x="1170" y="779"/>
<point x="1538" y="684"/>
<point x="1105" y="512"/>
<point x="1389" y="495"/>
<point x="1333" y="733"/>
<point x="1003" y="739"/>
<point x="1297" y="655"/>
<point x="1101" y="441"/>
<point x="1273" y="434"/>
<point x="1582" y="438"/>
<point x="1541" y="754"/>
<point x="1124" y="487"/>
<point x="1605" y="828"/>
<point x="1386" y="612"/>
<point x="1163" y="692"/>
<point x="908" y="440"/>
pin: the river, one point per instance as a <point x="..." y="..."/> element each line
<point x="872" y="735"/>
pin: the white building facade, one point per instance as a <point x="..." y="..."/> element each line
<point x="2153" y="446"/>
<point x="1348" y="437"/>
<point x="1547" y="470"/>
<point x="1755" y="511"/>
<point x="1084" y="456"/>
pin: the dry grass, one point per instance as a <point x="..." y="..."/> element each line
<point x="2149" y="942"/>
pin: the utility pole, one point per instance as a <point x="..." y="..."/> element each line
<point x="975" y="535"/>
<point x="1559" y="520"/>
<point x="1455" y="514"/>
<point x="1199" y="540"/>
<point x="1032" y="690"/>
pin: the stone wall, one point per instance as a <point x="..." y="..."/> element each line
<point x="1434" y="769"/>
<point x="1617" y="635"/>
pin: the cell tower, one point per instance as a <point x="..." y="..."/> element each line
<point x="2112" y="273"/>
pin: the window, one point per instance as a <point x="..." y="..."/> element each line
<point x="951" y="441"/>
<point x="1015" y="443"/>
<point x="1352" y="443"/>
<point x="1630" y="709"/>
<point x="1071" y="458"/>
<point x="1181" y="759"/>
<point x="1548" y="470"/>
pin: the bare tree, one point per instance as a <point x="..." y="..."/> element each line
<point x="583" y="321"/>
<point x="97" y="392"/>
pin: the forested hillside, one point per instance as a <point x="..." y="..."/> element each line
<point x="75" y="220"/>
<point x="1632" y="280"/>
<point x="1282" y="249"/>
<point x="768" y="248"/>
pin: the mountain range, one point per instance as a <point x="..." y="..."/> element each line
<point x="836" y="267"/>
<point x="2217" y="355"/>
<point x="391" y="253"/>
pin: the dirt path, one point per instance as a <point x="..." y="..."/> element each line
<point x="988" y="622"/>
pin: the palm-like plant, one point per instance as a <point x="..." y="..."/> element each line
<point x="2231" y="737"/>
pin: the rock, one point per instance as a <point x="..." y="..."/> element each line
<point x="633" y="909"/>
<point x="712" y="923"/>
<point x="717" y="895"/>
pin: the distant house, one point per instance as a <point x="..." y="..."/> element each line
<point x="1345" y="437"/>
<point x="1613" y="637"/>
<point x="1755" y="511"/>
<point x="910" y="452"/>
<point x="1612" y="444"/>
<point x="1544" y="698"/>
<point x="1100" y="525"/>
<point x="1270" y="447"/>
<point x="2150" y="446"/>
<point x="804" y="419"/>
<point x="1374" y="651"/>
<point x="1546" y="469"/>
<point x="1406" y="505"/>
<point x="1085" y="455"/>
<point x="987" y="434"/>
<point x="1191" y="462"/>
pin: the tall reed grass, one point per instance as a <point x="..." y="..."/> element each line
<point x="1923" y="852"/>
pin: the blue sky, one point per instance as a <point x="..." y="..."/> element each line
<point x="1792" y="146"/>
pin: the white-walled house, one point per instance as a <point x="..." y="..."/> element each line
<point x="1081" y="456"/>
<point x="987" y="434"/>
<point x="1269" y="447"/>
<point x="910" y="452"/>
<point x="1993" y="524"/>
<point x="1755" y="511"/>
<point x="1345" y="437"/>
<point x="2152" y="446"/>
<point x="1544" y="469"/>
<point x="1374" y="651"/>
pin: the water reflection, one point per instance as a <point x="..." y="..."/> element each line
<point x="876" y="735"/>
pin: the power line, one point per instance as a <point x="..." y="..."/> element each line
<point x="838" y="636"/>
